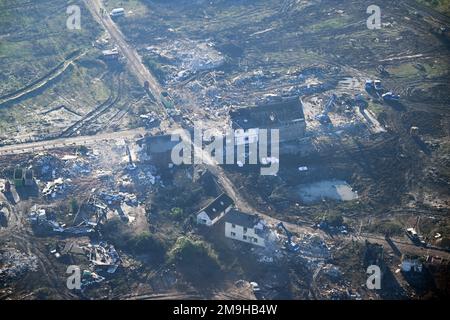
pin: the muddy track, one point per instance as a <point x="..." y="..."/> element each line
<point x="431" y="13"/>
<point x="41" y="82"/>
<point x="94" y="114"/>
<point x="121" y="113"/>
<point x="53" y="280"/>
<point x="24" y="240"/>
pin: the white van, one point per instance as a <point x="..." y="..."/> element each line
<point x="117" y="12"/>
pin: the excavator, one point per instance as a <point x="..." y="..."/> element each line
<point x="288" y="244"/>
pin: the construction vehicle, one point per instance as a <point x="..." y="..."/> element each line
<point x="131" y="165"/>
<point x="390" y="96"/>
<point x="19" y="177"/>
<point x="377" y="85"/>
<point x="288" y="244"/>
<point x="323" y="118"/>
<point x="166" y="100"/>
<point x="414" y="131"/>
<point x="415" y="238"/>
<point x="372" y="85"/>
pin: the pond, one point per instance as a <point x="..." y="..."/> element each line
<point x="327" y="189"/>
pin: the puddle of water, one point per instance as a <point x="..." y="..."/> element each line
<point x="327" y="189"/>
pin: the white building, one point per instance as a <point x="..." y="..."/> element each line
<point x="215" y="210"/>
<point x="245" y="227"/>
<point x="111" y="54"/>
<point x="411" y="263"/>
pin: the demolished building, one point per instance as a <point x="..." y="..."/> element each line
<point x="42" y="220"/>
<point x="286" y="115"/>
<point x="104" y="256"/>
<point x="158" y="148"/>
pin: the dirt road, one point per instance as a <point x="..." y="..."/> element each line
<point x="143" y="74"/>
<point x="67" y="142"/>
<point x="134" y="61"/>
<point x="405" y="247"/>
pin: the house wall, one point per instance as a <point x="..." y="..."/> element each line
<point x="161" y="160"/>
<point x="237" y="233"/>
<point x="411" y="265"/>
<point x="292" y="130"/>
<point x="289" y="131"/>
<point x="203" y="218"/>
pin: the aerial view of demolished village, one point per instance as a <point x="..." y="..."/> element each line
<point x="224" y="149"/>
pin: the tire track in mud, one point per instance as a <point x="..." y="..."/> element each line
<point x="41" y="83"/>
<point x="98" y="111"/>
<point x="23" y="241"/>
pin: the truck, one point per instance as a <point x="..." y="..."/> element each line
<point x="390" y="96"/>
<point x="373" y="85"/>
<point x="415" y="238"/>
<point x="166" y="100"/>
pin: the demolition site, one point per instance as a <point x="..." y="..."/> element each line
<point x="323" y="150"/>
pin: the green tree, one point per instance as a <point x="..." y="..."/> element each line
<point x="196" y="259"/>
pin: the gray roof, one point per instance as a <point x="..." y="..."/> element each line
<point x="158" y="144"/>
<point x="268" y="115"/>
<point x="242" y="219"/>
<point x="215" y="208"/>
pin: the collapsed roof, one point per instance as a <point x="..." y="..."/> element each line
<point x="157" y="144"/>
<point x="270" y="115"/>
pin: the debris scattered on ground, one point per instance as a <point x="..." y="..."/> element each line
<point x="14" y="264"/>
<point x="103" y="256"/>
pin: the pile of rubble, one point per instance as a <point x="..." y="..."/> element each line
<point x="313" y="247"/>
<point x="188" y="56"/>
<point x="118" y="198"/>
<point x="103" y="257"/>
<point x="56" y="187"/>
<point x="40" y="218"/>
<point x="89" y="278"/>
<point x="14" y="264"/>
<point x="48" y="167"/>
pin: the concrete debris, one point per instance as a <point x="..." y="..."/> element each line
<point x="332" y="271"/>
<point x="14" y="264"/>
<point x="55" y="187"/>
<point x="188" y="57"/>
<point x="265" y="259"/>
<point x="39" y="218"/>
<point x="90" y="278"/>
<point x="48" y="167"/>
<point x="116" y="199"/>
<point x="312" y="245"/>
<point x="104" y="256"/>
